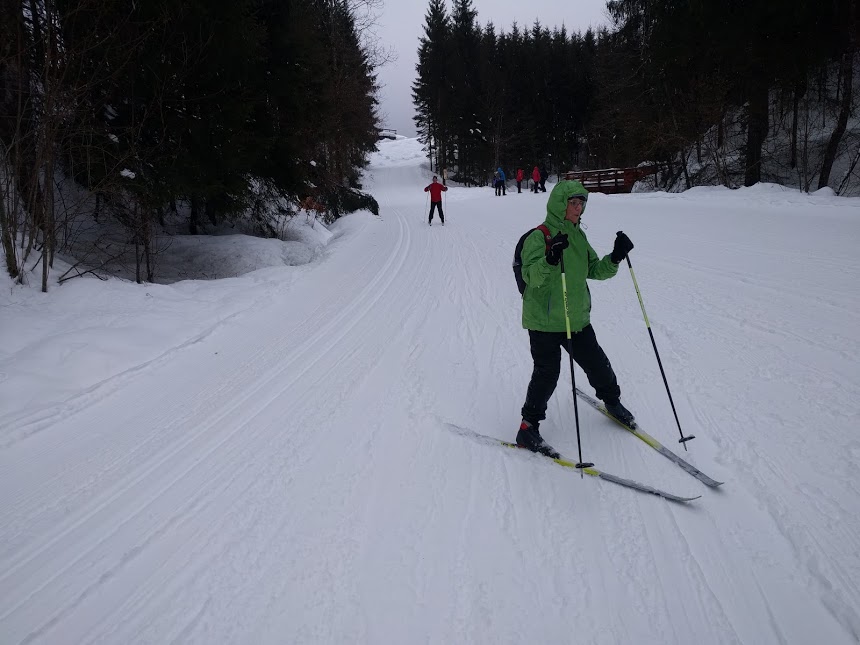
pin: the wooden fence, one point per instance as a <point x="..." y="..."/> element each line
<point x="610" y="180"/>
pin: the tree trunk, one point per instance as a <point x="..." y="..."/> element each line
<point x="799" y="89"/>
<point x="670" y="176"/>
<point x="687" y="181"/>
<point x="137" y="259"/>
<point x="757" y="127"/>
<point x="138" y="233"/>
<point x="430" y="151"/>
<point x="38" y="38"/>
<point x="192" y="220"/>
<point x="846" y="71"/>
<point x="443" y="156"/>
<point x="211" y="209"/>
<point x="8" y="243"/>
<point x="848" y="174"/>
<point x="147" y="244"/>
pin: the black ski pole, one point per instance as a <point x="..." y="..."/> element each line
<point x="579" y="465"/>
<point x="683" y="439"/>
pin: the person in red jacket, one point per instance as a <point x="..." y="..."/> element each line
<point x="520" y="176"/>
<point x="536" y="180"/>
<point x="435" y="189"/>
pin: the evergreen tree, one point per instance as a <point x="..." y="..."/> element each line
<point x="467" y="125"/>
<point x="431" y="91"/>
<point x="218" y="105"/>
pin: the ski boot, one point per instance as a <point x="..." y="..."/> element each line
<point x="529" y="438"/>
<point x="622" y="414"/>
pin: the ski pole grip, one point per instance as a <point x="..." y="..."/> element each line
<point x="627" y="257"/>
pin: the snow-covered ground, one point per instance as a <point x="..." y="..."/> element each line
<point x="276" y="457"/>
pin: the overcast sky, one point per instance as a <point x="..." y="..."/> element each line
<point x="401" y="24"/>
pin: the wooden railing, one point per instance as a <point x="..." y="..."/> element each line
<point x="610" y="180"/>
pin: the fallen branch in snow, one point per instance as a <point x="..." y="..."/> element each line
<point x="78" y="274"/>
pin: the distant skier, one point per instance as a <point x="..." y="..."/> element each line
<point x="500" y="182"/>
<point x="543" y="310"/>
<point x="535" y="180"/>
<point x="544" y="175"/>
<point x="436" y="189"/>
<point x="520" y="176"/>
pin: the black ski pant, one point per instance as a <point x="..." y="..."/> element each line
<point x="519" y="186"/>
<point x="546" y="352"/>
<point x="434" y="206"/>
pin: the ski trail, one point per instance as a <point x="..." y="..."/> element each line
<point x="299" y="480"/>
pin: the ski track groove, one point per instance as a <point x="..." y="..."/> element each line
<point x="257" y="517"/>
<point x="370" y="295"/>
<point x="31" y="424"/>
<point x="247" y="395"/>
<point x="696" y="572"/>
<point x="279" y="368"/>
<point x="799" y="541"/>
<point x="205" y="502"/>
<point x="178" y="421"/>
<point x="276" y="538"/>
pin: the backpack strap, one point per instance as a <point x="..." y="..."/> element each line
<point x="546" y="234"/>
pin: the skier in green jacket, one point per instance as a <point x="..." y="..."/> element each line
<point x="543" y="309"/>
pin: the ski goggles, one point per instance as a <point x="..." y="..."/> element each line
<point x="581" y="198"/>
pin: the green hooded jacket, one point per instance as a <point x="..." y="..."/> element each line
<point x="543" y="300"/>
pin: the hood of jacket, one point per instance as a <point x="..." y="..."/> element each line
<point x="556" y="205"/>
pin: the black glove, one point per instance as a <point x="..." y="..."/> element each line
<point x="556" y="245"/>
<point x="623" y="246"/>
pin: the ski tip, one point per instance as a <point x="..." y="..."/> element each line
<point x="676" y="498"/>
